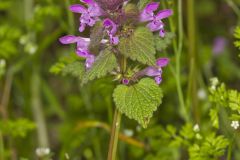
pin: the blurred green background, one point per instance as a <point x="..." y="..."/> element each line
<point x="40" y="108"/>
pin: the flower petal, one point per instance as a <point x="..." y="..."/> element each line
<point x="89" y="61"/>
<point x="162" y="62"/>
<point x="152" y="71"/>
<point x="77" y="8"/>
<point x="164" y="14"/>
<point x="147" y="13"/>
<point x="82" y="27"/>
<point x="94" y="10"/>
<point x="158" y="79"/>
<point x="110" y="26"/>
<point x="162" y="33"/>
<point x="82" y="53"/>
<point x="151" y="7"/>
<point x="155" y="25"/>
<point x="68" y="39"/>
<point x="114" y="40"/>
<point x="83" y="44"/>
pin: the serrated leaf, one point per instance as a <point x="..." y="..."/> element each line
<point x="75" y="69"/>
<point x="138" y="101"/>
<point x="139" y="46"/>
<point x="162" y="43"/>
<point x="214" y="117"/>
<point x="234" y="100"/>
<point x="104" y="63"/>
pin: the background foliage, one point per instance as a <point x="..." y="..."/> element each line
<point x="40" y="108"/>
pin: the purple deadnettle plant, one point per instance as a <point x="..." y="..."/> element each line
<point x="121" y="44"/>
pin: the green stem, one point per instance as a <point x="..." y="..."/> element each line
<point x="234" y="8"/>
<point x="1" y="146"/>
<point x="112" y="150"/>
<point x="192" y="79"/>
<point x="38" y="111"/>
<point x="178" y="51"/>
<point x="229" y="153"/>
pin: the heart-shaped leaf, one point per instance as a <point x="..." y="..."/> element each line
<point x="138" y="101"/>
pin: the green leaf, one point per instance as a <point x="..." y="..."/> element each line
<point x="162" y="43"/>
<point x="105" y="63"/>
<point x="17" y="128"/>
<point x="75" y="69"/>
<point x="187" y="131"/>
<point x="234" y="100"/>
<point x="214" y="117"/>
<point x="212" y="148"/>
<point x="138" y="101"/>
<point x="139" y="46"/>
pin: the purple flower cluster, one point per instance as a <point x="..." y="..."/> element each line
<point x="99" y="11"/>
<point x="155" y="20"/>
<point x="89" y="16"/>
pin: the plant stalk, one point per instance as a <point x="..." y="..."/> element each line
<point x="1" y="146"/>
<point x="178" y="52"/>
<point x="112" y="150"/>
<point x="192" y="79"/>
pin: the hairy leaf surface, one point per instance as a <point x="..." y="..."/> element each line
<point x="138" y="101"/>
<point x="139" y="46"/>
<point x="105" y="62"/>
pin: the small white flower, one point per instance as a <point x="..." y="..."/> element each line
<point x="42" y="152"/>
<point x="235" y="124"/>
<point x="128" y="132"/>
<point x="202" y="94"/>
<point x="196" y="128"/>
<point x="214" y="82"/>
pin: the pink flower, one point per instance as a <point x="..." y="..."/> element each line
<point x="89" y="15"/>
<point x="155" y="21"/>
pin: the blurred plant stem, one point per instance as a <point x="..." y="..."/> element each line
<point x="6" y="94"/>
<point x="184" y="112"/>
<point x="1" y="146"/>
<point x="192" y="99"/>
<point x="234" y="8"/>
<point x="37" y="109"/>
<point x="178" y="47"/>
<point x="71" y="23"/>
<point x="36" y="84"/>
<point x="4" y="111"/>
<point x="112" y="148"/>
